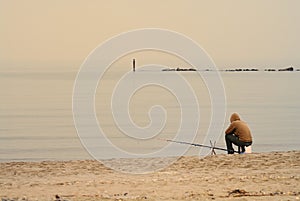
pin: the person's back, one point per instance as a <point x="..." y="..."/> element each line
<point x="240" y="129"/>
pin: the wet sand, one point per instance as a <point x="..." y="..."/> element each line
<point x="257" y="176"/>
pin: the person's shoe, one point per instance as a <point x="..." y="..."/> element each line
<point x="243" y="153"/>
<point x="230" y="151"/>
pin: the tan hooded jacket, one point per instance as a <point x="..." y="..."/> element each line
<point x="239" y="128"/>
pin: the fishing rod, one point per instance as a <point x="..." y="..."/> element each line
<point x="198" y="145"/>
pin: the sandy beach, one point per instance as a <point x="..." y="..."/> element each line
<point x="257" y="176"/>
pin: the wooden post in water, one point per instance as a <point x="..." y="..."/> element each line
<point x="133" y="65"/>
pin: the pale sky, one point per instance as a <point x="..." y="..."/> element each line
<point x="246" y="33"/>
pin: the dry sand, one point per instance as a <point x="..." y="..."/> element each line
<point x="257" y="176"/>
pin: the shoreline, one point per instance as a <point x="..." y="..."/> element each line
<point x="256" y="176"/>
<point x="137" y="158"/>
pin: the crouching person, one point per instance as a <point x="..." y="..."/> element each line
<point x="238" y="133"/>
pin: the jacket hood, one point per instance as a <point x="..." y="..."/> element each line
<point x="234" y="117"/>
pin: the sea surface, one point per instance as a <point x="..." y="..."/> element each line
<point x="36" y="120"/>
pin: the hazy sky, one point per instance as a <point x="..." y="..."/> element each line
<point x="247" y="33"/>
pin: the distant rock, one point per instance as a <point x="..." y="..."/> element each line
<point x="168" y="69"/>
<point x="242" y="69"/>
<point x="270" y="69"/>
<point x="179" y="69"/>
<point x="250" y="69"/>
<point x="287" y="69"/>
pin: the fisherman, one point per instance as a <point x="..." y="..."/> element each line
<point x="237" y="133"/>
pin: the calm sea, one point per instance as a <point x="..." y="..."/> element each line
<point x="36" y="121"/>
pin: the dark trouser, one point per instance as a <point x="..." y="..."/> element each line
<point x="232" y="139"/>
